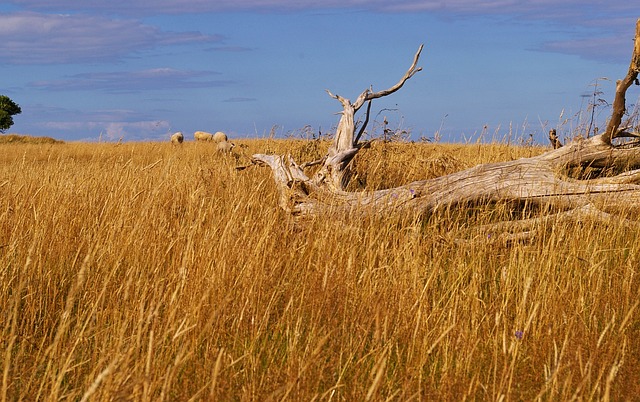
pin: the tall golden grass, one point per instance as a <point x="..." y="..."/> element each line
<point x="147" y="271"/>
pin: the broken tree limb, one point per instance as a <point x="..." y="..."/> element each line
<point x="336" y="171"/>
<point x="526" y="229"/>
<point x="536" y="180"/>
<point x="364" y="125"/>
<point x="619" y="101"/>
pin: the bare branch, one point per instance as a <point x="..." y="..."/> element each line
<point x="367" y="95"/>
<point x="619" y="102"/>
<point x="345" y="142"/>
<point x="344" y="101"/>
<point x="364" y="125"/>
<point x="607" y="183"/>
<point x="313" y="163"/>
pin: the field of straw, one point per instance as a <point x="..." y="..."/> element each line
<point x="152" y="272"/>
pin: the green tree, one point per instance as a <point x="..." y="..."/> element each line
<point x="8" y="108"/>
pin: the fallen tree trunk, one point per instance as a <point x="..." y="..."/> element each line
<point x="543" y="180"/>
<point x="537" y="180"/>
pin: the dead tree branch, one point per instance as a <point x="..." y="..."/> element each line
<point x="619" y="101"/>
<point x="542" y="181"/>
<point x="335" y="171"/>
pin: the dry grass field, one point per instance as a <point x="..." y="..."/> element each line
<point x="152" y="272"/>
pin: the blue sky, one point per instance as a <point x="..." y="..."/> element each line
<point x="142" y="69"/>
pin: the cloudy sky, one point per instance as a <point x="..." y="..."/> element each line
<point x="142" y="69"/>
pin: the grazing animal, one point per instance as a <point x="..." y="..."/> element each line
<point x="553" y="137"/>
<point x="225" y="147"/>
<point x="202" y="136"/>
<point x="219" y="136"/>
<point x="177" y="138"/>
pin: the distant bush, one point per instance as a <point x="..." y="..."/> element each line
<point x="27" y="139"/>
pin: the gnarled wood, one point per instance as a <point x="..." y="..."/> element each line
<point x="619" y="101"/>
<point x="537" y="180"/>
<point x="542" y="180"/>
<point x="336" y="172"/>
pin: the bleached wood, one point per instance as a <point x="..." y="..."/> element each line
<point x="537" y="181"/>
<point x="336" y="171"/>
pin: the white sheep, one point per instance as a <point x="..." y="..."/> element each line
<point x="202" y="136"/>
<point x="177" y="138"/>
<point x="219" y="136"/>
<point x="225" y="147"/>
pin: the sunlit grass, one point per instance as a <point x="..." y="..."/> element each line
<point x="146" y="271"/>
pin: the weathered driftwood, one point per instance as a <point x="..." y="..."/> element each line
<point x="542" y="180"/>
<point x="336" y="171"/>
<point x="537" y="180"/>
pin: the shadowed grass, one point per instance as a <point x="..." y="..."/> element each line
<point x="147" y="271"/>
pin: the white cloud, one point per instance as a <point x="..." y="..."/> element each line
<point x="111" y="130"/>
<point x="158" y="7"/>
<point x="110" y="124"/>
<point x="36" y="38"/>
<point x="239" y="99"/>
<point x="131" y="81"/>
<point x="139" y="130"/>
<point x="33" y="38"/>
<point x="605" y="48"/>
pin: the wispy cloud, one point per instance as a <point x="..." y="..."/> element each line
<point x="33" y="38"/>
<point x="36" y="38"/>
<point x="231" y="49"/>
<point x="136" y="131"/>
<point x="113" y="130"/>
<point x="606" y="48"/>
<point x="107" y="124"/>
<point x="157" y="7"/>
<point x="129" y="81"/>
<point x="240" y="99"/>
<point x="62" y="114"/>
